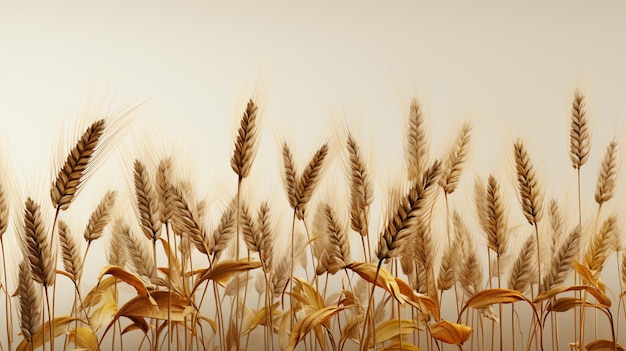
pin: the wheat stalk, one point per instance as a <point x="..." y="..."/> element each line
<point x="457" y="156"/>
<point x="245" y="145"/>
<point x="290" y="176"/>
<point x="605" y="186"/>
<point x="580" y="141"/>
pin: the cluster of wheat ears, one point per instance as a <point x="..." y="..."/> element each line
<point x="319" y="294"/>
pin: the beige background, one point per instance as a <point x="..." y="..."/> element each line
<point x="509" y="68"/>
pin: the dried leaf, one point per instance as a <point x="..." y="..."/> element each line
<point x="311" y="321"/>
<point x="451" y="333"/>
<point x="84" y="338"/>
<point x="603" y="300"/>
<point x="403" y="346"/>
<point x="127" y="277"/>
<point x="421" y="302"/>
<point x="384" y="280"/>
<point x="222" y="271"/>
<point x="61" y="325"/>
<point x="603" y="345"/>
<point x="392" y="328"/>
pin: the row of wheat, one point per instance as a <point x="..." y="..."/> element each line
<point x="319" y="294"/>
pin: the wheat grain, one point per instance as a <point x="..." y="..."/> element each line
<point x="457" y="156"/>
<point x="100" y="217"/>
<point x="147" y="202"/>
<point x="605" y="186"/>
<point x="580" y="141"/>
<point x="245" y="146"/>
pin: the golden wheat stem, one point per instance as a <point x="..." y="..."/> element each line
<point x="9" y="312"/>
<point x="370" y="303"/>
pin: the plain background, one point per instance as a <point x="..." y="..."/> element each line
<point x="509" y="68"/>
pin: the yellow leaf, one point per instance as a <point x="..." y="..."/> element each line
<point x="404" y="346"/>
<point x="84" y="338"/>
<point x="451" y="333"/>
<point x="127" y="277"/>
<point x="603" y="300"/>
<point x="421" y="302"/>
<point x="310" y="321"/>
<point x="61" y="324"/>
<point x="603" y="345"/>
<point x="222" y="271"/>
<point x="392" y="328"/>
<point x="564" y="304"/>
<point x="384" y="280"/>
<point x="488" y="297"/>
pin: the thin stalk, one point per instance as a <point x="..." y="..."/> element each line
<point x="370" y="303"/>
<point x="293" y="234"/>
<point x="500" y="307"/>
<point x="237" y="234"/>
<point x="50" y="319"/>
<point x="9" y="313"/>
<point x="580" y="224"/>
<point x="448" y="231"/>
<point x="513" y="327"/>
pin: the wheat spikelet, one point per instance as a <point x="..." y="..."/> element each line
<point x="492" y="216"/>
<point x="469" y="274"/>
<point x="556" y="224"/>
<point x="530" y="193"/>
<point x="309" y="179"/>
<point x="600" y="246"/>
<point x="605" y="185"/>
<point x="622" y="268"/>
<point x="100" y="217"/>
<point x="4" y="210"/>
<point x="361" y="195"/>
<point x="70" y="177"/>
<point x="457" y="156"/>
<point x="400" y="224"/>
<point x="563" y="260"/>
<point x="164" y="189"/>
<point x="225" y="230"/>
<point x="338" y="248"/>
<point x="416" y="145"/>
<point x="37" y="247"/>
<point x="290" y="176"/>
<point x="523" y="267"/>
<point x="147" y="202"/>
<point x="70" y="251"/>
<point x="116" y="252"/>
<point x="140" y="257"/>
<point x="245" y="146"/>
<point x="30" y="302"/>
<point x="580" y="141"/>
<point x="280" y="275"/>
<point x="268" y="237"/>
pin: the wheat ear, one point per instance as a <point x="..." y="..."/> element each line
<point x="556" y="224"/>
<point x="116" y="252"/>
<point x="492" y="215"/>
<point x="457" y="156"/>
<point x="100" y="217"/>
<point x="522" y="270"/>
<point x="290" y="178"/>
<point x="185" y="222"/>
<point x="580" y="141"/>
<point x="600" y="247"/>
<point x="225" y="230"/>
<point x="30" y="302"/>
<point x="563" y="260"/>
<point x="416" y="144"/>
<point x="37" y="247"/>
<point x="530" y="193"/>
<point x="164" y="189"/>
<point x="445" y="278"/>
<point x="245" y="145"/>
<point x="249" y="229"/>
<point x="605" y="186"/>
<point x="361" y="195"/>
<point x="147" y="202"/>
<point x="403" y="219"/>
<point x="309" y="179"/>
<point x="268" y="237"/>
<point x="70" y="251"/>
<point x="140" y="257"/>
<point x="338" y="248"/>
<point x="70" y="177"/>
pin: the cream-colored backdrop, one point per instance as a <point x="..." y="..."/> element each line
<point x="511" y="69"/>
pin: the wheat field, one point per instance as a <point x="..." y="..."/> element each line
<point x="188" y="272"/>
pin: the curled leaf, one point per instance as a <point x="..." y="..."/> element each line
<point x="450" y="333"/>
<point x="384" y="280"/>
<point x="392" y="328"/>
<point x="603" y="345"/>
<point x="311" y="321"/>
<point x="222" y="271"/>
